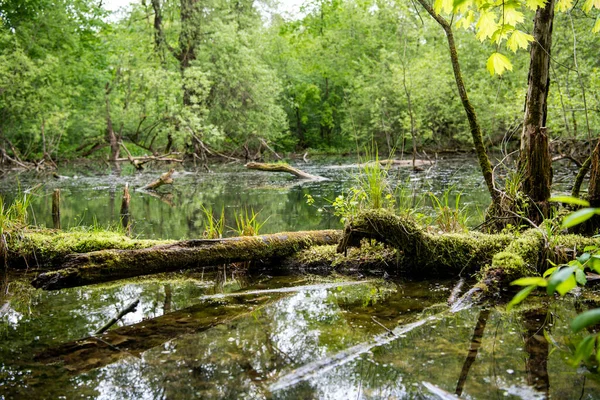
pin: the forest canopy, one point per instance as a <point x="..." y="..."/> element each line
<point x="228" y="75"/>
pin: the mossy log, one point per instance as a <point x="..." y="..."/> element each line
<point x="422" y="253"/>
<point x="281" y="167"/>
<point x="94" y="352"/>
<point x="47" y="249"/>
<point x="499" y="258"/>
<point x="109" y="265"/>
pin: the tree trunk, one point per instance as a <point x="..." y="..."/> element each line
<point x="111" y="137"/>
<point x="535" y="160"/>
<point x="110" y="265"/>
<point x="484" y="161"/>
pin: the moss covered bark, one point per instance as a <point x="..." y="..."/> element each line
<point x="109" y="265"/>
<point x="48" y="248"/>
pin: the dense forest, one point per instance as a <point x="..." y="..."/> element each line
<point x="234" y="76"/>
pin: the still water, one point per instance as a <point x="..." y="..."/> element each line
<point x="225" y="335"/>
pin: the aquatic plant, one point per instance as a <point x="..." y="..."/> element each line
<point x="449" y="217"/>
<point x="13" y="218"/>
<point x="247" y="224"/>
<point x="213" y="227"/>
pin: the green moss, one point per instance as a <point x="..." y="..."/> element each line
<point x="47" y="247"/>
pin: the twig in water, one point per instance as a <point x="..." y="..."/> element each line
<point x="130" y="308"/>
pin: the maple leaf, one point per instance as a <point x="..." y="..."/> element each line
<point x="518" y="40"/>
<point x="498" y="63"/>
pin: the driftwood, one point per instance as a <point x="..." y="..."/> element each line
<point x="110" y="265"/>
<point x="94" y="352"/>
<point x="405" y="163"/>
<point x="164" y="179"/>
<point x="280" y="167"/>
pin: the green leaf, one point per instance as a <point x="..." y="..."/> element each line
<point x="486" y="25"/>
<point x="461" y="6"/>
<point x="558" y="277"/>
<point x="578" y="217"/>
<point x="563" y="5"/>
<point x="498" y="63"/>
<point x="567" y="285"/>
<point x="535" y="4"/>
<point x="594" y="264"/>
<point x="549" y="271"/>
<point x="596" y="29"/>
<point x="584" y="257"/>
<point x="519" y="297"/>
<point x="502" y="32"/>
<point x="589" y="4"/>
<point x="534" y="280"/>
<point x="445" y="6"/>
<point x="512" y="16"/>
<point x="519" y="40"/>
<point x="580" y="277"/>
<point x="585" y="319"/>
<point x="574" y="201"/>
<point x="466" y="21"/>
<point x="584" y="349"/>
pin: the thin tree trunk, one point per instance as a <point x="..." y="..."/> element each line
<point x="535" y="159"/>
<point x="482" y="156"/>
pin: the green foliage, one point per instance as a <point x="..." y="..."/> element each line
<point x="213" y="226"/>
<point x="564" y="278"/>
<point x="449" y="217"/>
<point x="247" y="224"/>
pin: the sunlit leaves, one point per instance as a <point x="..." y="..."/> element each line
<point x="570" y="200"/>
<point x="596" y="27"/>
<point x="589" y="4"/>
<point x="486" y="26"/>
<point x="562" y="281"/>
<point x="535" y="4"/>
<point x="511" y="15"/>
<point x="518" y="40"/>
<point x="564" y="5"/>
<point x="519" y="297"/>
<point x="579" y="216"/>
<point x="498" y="63"/>
<point x="535" y="280"/>
<point x="466" y="20"/>
<point x="445" y="6"/>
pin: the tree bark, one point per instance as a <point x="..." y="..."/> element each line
<point x="110" y="265"/>
<point x="535" y="160"/>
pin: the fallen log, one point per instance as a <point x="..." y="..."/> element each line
<point x="164" y="179"/>
<point x="110" y="265"/>
<point x="422" y="253"/>
<point x="498" y="258"/>
<point x="282" y="167"/>
<point x="47" y="249"/>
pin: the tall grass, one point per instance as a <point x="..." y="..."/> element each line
<point x="213" y="227"/>
<point x="13" y="218"/>
<point x="247" y="223"/>
<point x="449" y="216"/>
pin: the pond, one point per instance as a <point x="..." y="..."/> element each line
<point x="226" y="335"/>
